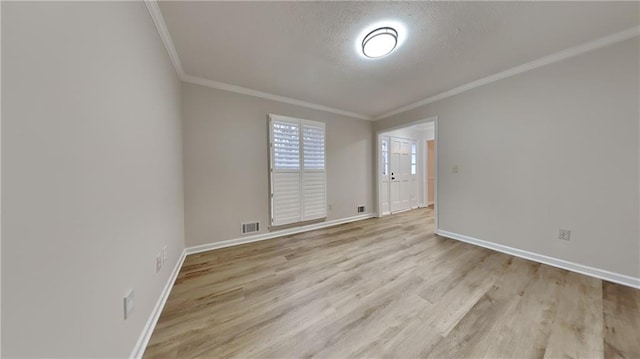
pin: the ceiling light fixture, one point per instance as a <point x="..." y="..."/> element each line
<point x="379" y="42"/>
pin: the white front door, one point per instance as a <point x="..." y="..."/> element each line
<point x="401" y="180"/>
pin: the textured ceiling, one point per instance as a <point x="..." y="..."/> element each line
<point x="307" y="50"/>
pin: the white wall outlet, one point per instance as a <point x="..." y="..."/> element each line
<point x="164" y="255"/>
<point x="330" y="207"/>
<point x="454" y="169"/>
<point x="129" y="304"/>
<point x="564" y="234"/>
<point x="158" y="262"/>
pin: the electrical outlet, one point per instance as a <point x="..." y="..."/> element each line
<point x="564" y="234"/>
<point x="158" y="262"/>
<point x="129" y="304"/>
<point x="330" y="207"/>
<point x="454" y="169"/>
<point x="164" y="255"/>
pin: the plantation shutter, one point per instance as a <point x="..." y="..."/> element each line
<point x="298" y="178"/>
<point x="313" y="178"/>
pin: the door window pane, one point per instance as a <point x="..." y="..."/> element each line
<point x="385" y="157"/>
<point x="414" y="158"/>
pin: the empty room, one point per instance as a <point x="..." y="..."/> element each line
<point x="327" y="179"/>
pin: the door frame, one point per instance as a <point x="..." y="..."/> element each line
<point x="378" y="159"/>
<point x="425" y="199"/>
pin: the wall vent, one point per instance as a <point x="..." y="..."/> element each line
<point x="250" y="227"/>
<point x="360" y="209"/>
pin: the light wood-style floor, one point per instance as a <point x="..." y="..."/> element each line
<point x="389" y="288"/>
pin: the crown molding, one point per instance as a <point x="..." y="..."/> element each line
<point x="547" y="60"/>
<point x="165" y="36"/>
<point x="268" y="96"/>
<point x="163" y="31"/>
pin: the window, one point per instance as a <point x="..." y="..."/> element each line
<point x="413" y="158"/>
<point x="298" y="178"/>
<point x="385" y="157"/>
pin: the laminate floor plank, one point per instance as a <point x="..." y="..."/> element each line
<point x="577" y="330"/>
<point x="621" y="310"/>
<point x="388" y="288"/>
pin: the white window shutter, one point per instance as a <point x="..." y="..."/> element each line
<point x="285" y="172"/>
<point x="286" y="145"/>
<point x="313" y="145"/>
<point x="314" y="176"/>
<point x="314" y="196"/>
<point x="298" y="178"/>
<point x="286" y="198"/>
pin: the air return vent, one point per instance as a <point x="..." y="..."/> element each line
<point x="250" y="227"/>
<point x="360" y="209"/>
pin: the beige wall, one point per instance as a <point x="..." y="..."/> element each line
<point x="556" y="147"/>
<point x="226" y="162"/>
<point x="92" y="176"/>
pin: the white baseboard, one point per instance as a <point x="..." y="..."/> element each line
<point x="274" y="234"/>
<point x="555" y="262"/>
<point x="150" y="325"/>
<point x="144" y="337"/>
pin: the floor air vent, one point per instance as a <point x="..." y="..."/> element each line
<point x="250" y="227"/>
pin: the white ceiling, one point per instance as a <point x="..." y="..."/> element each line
<point x="307" y="50"/>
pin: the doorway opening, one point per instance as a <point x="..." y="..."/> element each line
<point x="406" y="167"/>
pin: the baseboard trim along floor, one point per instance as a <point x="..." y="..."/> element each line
<point x="555" y="262"/>
<point x="150" y="325"/>
<point x="144" y="337"/>
<point x="275" y="234"/>
<point x="335" y="291"/>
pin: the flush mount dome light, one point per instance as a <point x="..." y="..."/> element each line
<point x="379" y="42"/>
